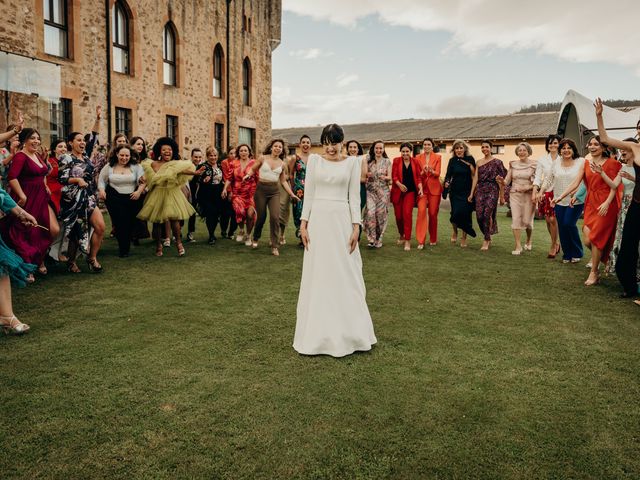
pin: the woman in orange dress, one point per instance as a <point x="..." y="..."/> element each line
<point x="601" y="205"/>
<point x="430" y="164"/>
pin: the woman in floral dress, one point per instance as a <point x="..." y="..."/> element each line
<point x="376" y="213"/>
<point x="486" y="190"/>
<point x="81" y="220"/>
<point x="242" y="187"/>
<point x="298" y="171"/>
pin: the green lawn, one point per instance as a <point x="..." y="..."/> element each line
<point x="487" y="366"/>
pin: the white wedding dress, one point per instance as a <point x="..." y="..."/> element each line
<point x="332" y="314"/>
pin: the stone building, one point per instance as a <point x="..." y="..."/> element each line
<point x="196" y="70"/>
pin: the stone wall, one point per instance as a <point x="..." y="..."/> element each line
<point x="199" y="25"/>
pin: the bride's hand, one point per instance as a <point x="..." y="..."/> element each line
<point x="353" y="239"/>
<point x="304" y="237"/>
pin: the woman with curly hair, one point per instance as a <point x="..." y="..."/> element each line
<point x="165" y="176"/>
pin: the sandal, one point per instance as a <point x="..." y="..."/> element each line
<point x="94" y="266"/>
<point x="275" y="252"/>
<point x="13" y="325"/>
<point x="72" y="267"/>
<point x="42" y="269"/>
<point x="181" y="250"/>
<point x="159" y="250"/>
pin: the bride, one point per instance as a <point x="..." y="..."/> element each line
<point x="332" y="314"/>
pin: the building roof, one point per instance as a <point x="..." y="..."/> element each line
<point x="514" y="126"/>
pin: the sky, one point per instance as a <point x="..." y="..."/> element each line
<point x="358" y="61"/>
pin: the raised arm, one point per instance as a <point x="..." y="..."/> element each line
<point x="16" y="129"/>
<point x="613" y="142"/>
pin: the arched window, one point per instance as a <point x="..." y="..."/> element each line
<point x="120" y="38"/>
<point x="246" y="82"/>
<point x="169" y="55"/>
<point x="218" y="62"/>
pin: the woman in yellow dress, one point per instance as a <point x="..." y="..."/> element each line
<point x="165" y="201"/>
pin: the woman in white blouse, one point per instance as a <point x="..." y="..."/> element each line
<point x="543" y="200"/>
<point x="120" y="185"/>
<point x="568" y="210"/>
<point x="271" y="174"/>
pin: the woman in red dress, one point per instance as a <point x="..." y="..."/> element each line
<point x="600" y="207"/>
<point x="28" y="188"/>
<point x="242" y="187"/>
<point x="58" y="148"/>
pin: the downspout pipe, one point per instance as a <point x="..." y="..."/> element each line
<point x="228" y="78"/>
<point x="108" y="57"/>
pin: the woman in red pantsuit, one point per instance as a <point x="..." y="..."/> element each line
<point x="429" y="203"/>
<point x="243" y="186"/>
<point x="407" y="187"/>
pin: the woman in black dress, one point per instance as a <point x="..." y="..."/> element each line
<point x="210" y="183"/>
<point x="457" y="183"/>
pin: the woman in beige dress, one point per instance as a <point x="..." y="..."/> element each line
<point x="520" y="177"/>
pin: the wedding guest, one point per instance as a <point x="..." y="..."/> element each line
<point x="627" y="177"/>
<point x="140" y="229"/>
<point x="543" y="170"/>
<point x="165" y="201"/>
<point x="627" y="262"/>
<point x="228" y="222"/>
<point x="354" y="149"/>
<point x="271" y="174"/>
<point x="197" y="158"/>
<point x="487" y="191"/>
<point x="430" y="164"/>
<point x="407" y="188"/>
<point x="601" y="205"/>
<point x="12" y="268"/>
<point x="520" y="178"/>
<point x="242" y="191"/>
<point x="297" y="174"/>
<point x="27" y="180"/>
<point x="80" y="218"/>
<point x="457" y="185"/>
<point x="57" y="150"/>
<point x="120" y="186"/>
<point x="285" y="205"/>
<point x="8" y="151"/>
<point x="209" y="192"/>
<point x="379" y="176"/>
<point x="563" y="173"/>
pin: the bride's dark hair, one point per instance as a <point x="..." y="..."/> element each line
<point x="332" y="133"/>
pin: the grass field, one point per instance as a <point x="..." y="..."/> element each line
<point x="487" y="366"/>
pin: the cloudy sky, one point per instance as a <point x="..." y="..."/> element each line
<point x="353" y="61"/>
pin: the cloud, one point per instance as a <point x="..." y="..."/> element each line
<point x="345" y="80"/>
<point x="310" y="53"/>
<point x="572" y="30"/>
<point x="345" y="107"/>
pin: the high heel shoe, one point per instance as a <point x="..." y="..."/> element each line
<point x="181" y="250"/>
<point x="94" y="266"/>
<point x="275" y="252"/>
<point x="13" y="325"/>
<point x="528" y="247"/>
<point x="159" y="250"/>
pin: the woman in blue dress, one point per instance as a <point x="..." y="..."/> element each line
<point x="12" y="268"/>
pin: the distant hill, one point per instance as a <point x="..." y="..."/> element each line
<point x="555" y="106"/>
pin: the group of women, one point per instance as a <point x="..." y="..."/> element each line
<point x="52" y="206"/>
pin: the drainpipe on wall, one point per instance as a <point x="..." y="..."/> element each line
<point x="228" y="116"/>
<point x="108" y="54"/>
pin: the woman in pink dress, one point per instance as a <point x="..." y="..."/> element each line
<point x="27" y="179"/>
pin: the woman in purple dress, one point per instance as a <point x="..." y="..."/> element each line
<point x="486" y="189"/>
<point x="27" y="179"/>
